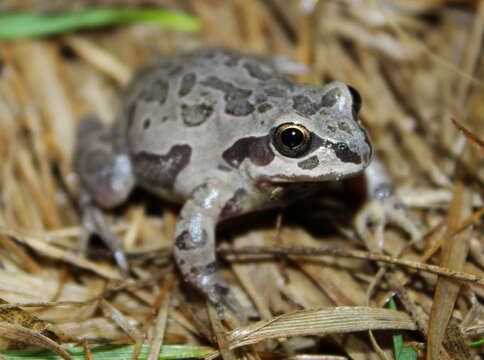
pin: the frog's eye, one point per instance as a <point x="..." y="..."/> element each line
<point x="356" y="101"/>
<point x="292" y="140"/>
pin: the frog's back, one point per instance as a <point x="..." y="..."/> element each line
<point x="183" y="111"/>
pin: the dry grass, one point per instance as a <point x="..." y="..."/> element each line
<point x="418" y="65"/>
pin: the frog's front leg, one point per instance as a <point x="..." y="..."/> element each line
<point x="383" y="206"/>
<point x="194" y="243"/>
<point x="105" y="180"/>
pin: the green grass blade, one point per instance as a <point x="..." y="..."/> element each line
<point x="16" y="25"/>
<point x="401" y="351"/>
<point x="407" y="353"/>
<point x="111" y="352"/>
<point x="477" y="343"/>
<point x="397" y="336"/>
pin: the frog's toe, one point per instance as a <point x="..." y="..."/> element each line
<point x="369" y="224"/>
<point x="122" y="262"/>
<point x="219" y="294"/>
<point x="377" y="213"/>
<point x="400" y="215"/>
<point x="93" y="222"/>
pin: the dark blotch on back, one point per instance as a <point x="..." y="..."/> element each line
<point x="275" y="92"/>
<point x="161" y="170"/>
<point x="303" y="105"/>
<point x="156" y="91"/>
<point x="197" y="114"/>
<point x="236" y="99"/>
<point x="257" y="149"/>
<point x="187" y="83"/>
<point x="185" y="241"/>
<point x="260" y="98"/>
<point x="256" y="71"/>
<point x="232" y="60"/>
<point x="330" y="98"/>
<point x="309" y="164"/>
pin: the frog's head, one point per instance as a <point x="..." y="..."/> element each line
<point x="318" y="138"/>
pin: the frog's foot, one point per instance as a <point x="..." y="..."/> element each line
<point x="380" y="211"/>
<point x="106" y="180"/>
<point x="93" y="222"/>
<point x="218" y="293"/>
<point x="383" y="207"/>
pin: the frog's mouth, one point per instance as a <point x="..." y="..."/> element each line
<point x="287" y="180"/>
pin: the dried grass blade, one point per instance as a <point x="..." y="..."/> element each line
<point x="471" y="55"/>
<point x="473" y="139"/>
<point x="100" y="59"/>
<point x="454" y="253"/>
<point x="159" y="329"/>
<point x="456" y="344"/>
<point x="220" y="334"/>
<point x="53" y="252"/>
<point x="319" y="322"/>
<point x="16" y="315"/>
<point x="87" y="350"/>
<point x="39" y="63"/>
<point x="23" y="257"/>
<point x="25" y="167"/>
<point x="119" y="319"/>
<point x="357" y="254"/>
<point x="18" y="333"/>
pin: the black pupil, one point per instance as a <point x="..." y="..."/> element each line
<point x="292" y="137"/>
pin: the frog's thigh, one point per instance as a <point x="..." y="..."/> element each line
<point x="106" y="175"/>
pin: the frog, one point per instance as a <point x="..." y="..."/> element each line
<point x="222" y="133"/>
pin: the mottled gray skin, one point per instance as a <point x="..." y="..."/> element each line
<point x="199" y="129"/>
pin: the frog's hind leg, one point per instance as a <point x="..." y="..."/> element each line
<point x="106" y="180"/>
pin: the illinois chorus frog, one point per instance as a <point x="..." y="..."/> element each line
<point x="224" y="134"/>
